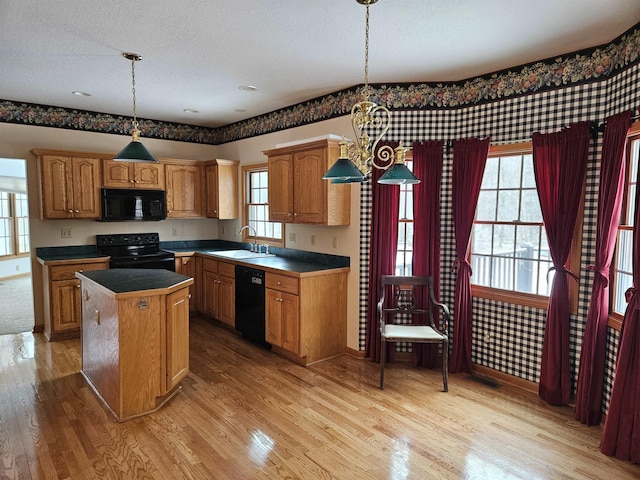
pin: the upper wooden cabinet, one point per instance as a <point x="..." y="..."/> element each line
<point x="132" y="175"/>
<point x="184" y="185"/>
<point x="69" y="184"/>
<point x="297" y="192"/>
<point x="222" y="189"/>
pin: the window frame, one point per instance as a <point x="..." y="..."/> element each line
<point x="246" y="235"/>
<point x="615" y="318"/>
<point x="529" y="299"/>
<point x="15" y="230"/>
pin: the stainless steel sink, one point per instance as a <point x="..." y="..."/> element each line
<point x="239" y="254"/>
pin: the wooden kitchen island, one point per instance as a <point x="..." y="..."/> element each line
<point x="135" y="337"/>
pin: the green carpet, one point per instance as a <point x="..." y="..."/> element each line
<point x="16" y="305"/>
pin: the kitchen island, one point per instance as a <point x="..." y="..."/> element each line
<point x="135" y="337"/>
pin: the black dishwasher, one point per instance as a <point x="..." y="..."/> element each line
<point x="250" y="303"/>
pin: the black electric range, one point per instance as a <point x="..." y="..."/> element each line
<point x="135" y="250"/>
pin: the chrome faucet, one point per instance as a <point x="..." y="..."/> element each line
<point x="254" y="245"/>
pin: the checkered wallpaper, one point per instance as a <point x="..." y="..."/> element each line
<point x="507" y="337"/>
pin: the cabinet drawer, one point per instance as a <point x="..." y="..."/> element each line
<point x="210" y="266"/>
<point x="282" y="283"/>
<point x="68" y="272"/>
<point x="227" y="269"/>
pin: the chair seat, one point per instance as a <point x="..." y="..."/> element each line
<point x="412" y="332"/>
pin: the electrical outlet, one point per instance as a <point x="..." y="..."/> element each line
<point x="292" y="237"/>
<point x="313" y="239"/>
<point x="17" y="268"/>
<point x="65" y="233"/>
<point x="487" y="338"/>
<point x="335" y="242"/>
<point x="175" y="232"/>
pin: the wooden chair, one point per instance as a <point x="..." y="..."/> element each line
<point x="403" y="302"/>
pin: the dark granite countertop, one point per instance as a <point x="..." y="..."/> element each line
<point x="284" y="259"/>
<point x="122" y="280"/>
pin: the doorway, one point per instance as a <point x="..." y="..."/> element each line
<point x="16" y="286"/>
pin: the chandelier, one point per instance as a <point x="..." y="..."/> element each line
<point x="135" y="151"/>
<point x="370" y="122"/>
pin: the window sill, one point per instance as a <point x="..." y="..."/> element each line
<point x="507" y="296"/>
<point x="615" y="321"/>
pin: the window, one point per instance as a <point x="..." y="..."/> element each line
<point x="404" y="255"/>
<point x="510" y="257"/>
<point x="256" y="201"/>
<point x="14" y="224"/>
<point x="622" y="267"/>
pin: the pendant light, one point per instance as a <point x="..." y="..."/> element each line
<point x="135" y="151"/>
<point x="370" y="122"/>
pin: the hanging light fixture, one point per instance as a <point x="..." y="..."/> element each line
<point x="135" y="151"/>
<point x="370" y="122"/>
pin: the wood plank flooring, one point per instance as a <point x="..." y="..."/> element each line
<point x="246" y="413"/>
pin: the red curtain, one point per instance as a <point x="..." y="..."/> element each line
<point x="611" y="192"/>
<point x="559" y="164"/>
<point x="427" y="166"/>
<point x="382" y="254"/>
<point x="469" y="160"/>
<point x="621" y="433"/>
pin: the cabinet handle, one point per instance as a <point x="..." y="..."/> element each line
<point x="70" y="210"/>
<point x="189" y="296"/>
<point x="97" y="317"/>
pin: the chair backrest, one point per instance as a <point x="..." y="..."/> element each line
<point x="404" y="294"/>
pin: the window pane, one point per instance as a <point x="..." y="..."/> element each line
<point x="504" y="240"/>
<point x="508" y="203"/>
<point x="527" y="241"/>
<point x="625" y="251"/>
<point x="490" y="177"/>
<point x="510" y="172"/>
<point x="530" y="208"/>
<point x="486" y="210"/>
<point x="481" y="240"/>
<point x="528" y="177"/>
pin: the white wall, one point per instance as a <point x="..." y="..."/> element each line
<point x="16" y="141"/>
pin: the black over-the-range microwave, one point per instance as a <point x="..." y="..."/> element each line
<point x="120" y="204"/>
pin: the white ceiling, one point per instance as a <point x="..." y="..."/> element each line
<point x="196" y="53"/>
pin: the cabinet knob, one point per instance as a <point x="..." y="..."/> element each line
<point x="288" y="214"/>
<point x="77" y="211"/>
<point x="70" y="210"/>
<point x="279" y="282"/>
<point x="295" y="214"/>
<point x="132" y="181"/>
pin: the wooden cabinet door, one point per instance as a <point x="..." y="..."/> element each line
<point x="177" y="337"/>
<point x="117" y="174"/>
<point x="86" y="187"/>
<point x="149" y="175"/>
<point x="66" y="307"/>
<point x="211" y="174"/>
<point x="184" y="191"/>
<point x="309" y="189"/>
<point x="209" y="293"/>
<point x="226" y="300"/>
<point x="57" y="191"/>
<point x="273" y="317"/>
<point x="187" y="266"/>
<point x="290" y="323"/>
<point x="281" y="193"/>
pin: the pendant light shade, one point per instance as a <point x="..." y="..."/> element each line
<point x="135" y="151"/>
<point x="398" y="174"/>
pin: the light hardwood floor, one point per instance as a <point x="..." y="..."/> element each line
<point x="246" y="413"/>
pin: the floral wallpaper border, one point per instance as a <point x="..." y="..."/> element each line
<point x="575" y="68"/>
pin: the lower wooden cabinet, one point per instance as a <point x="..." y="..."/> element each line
<point x="190" y="265"/>
<point x="306" y="314"/>
<point x="62" y="303"/>
<point x="218" y="290"/>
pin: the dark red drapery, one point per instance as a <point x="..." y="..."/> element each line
<point x="611" y="192"/>
<point x="382" y="254"/>
<point x="469" y="160"/>
<point x="559" y="164"/>
<point x="427" y="166"/>
<point x="621" y="433"/>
